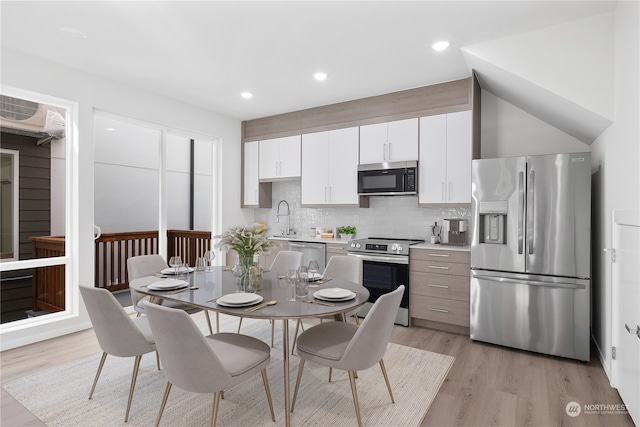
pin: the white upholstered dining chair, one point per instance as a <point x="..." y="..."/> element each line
<point x="146" y="265"/>
<point x="350" y="347"/>
<point x="339" y="267"/>
<point x="118" y="333"/>
<point x="202" y="364"/>
<point x="284" y="260"/>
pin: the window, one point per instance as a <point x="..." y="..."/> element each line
<point x="35" y="266"/>
<point x="9" y="197"/>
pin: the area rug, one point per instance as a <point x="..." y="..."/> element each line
<point x="59" y="396"/>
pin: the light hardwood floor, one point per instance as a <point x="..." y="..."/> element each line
<point x="487" y="386"/>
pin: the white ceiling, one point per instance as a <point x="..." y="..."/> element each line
<point x="205" y="53"/>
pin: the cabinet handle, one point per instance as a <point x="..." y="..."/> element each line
<point x="389" y="151"/>
<point x="330" y="194"/>
<point x="338" y="248"/>
<point x="439" y="255"/>
<point x="384" y="151"/>
<point x="256" y="196"/>
<point x="325" y="194"/>
<point x="439" y="310"/>
<point x="438" y="286"/>
<point x="449" y="191"/>
<point x="437" y="267"/>
<point x="442" y="192"/>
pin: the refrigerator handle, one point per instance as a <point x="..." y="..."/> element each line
<point x="530" y="210"/>
<point x="520" y="213"/>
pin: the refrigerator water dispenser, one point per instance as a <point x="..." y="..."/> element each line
<point x="493" y="222"/>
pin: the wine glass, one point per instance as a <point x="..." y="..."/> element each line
<point x="313" y="270"/>
<point x="209" y="256"/>
<point x="175" y="262"/>
<point x="292" y="280"/>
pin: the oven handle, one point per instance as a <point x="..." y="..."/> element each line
<point x="382" y="258"/>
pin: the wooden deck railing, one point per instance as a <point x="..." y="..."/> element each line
<point x="111" y="253"/>
<point x="48" y="282"/>
<point x="188" y="244"/>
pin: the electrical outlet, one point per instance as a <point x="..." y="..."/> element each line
<point x="356" y="219"/>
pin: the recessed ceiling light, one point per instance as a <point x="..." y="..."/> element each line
<point x="320" y="76"/>
<point x="246" y="95"/>
<point x="72" y="32"/>
<point x="111" y="129"/>
<point x="440" y="45"/>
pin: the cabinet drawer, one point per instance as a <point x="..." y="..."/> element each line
<point x="438" y="267"/>
<point x="440" y="310"/>
<point x="439" y="286"/>
<point x="460" y="257"/>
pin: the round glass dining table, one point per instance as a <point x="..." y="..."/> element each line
<point x="205" y="287"/>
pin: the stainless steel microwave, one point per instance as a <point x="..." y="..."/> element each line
<point x="388" y="179"/>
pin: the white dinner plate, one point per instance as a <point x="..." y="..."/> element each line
<point x="316" y="276"/>
<point x="334" y="294"/>
<point x="167" y="285"/>
<point x="173" y="271"/>
<point x="239" y="299"/>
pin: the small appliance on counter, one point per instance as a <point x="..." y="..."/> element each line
<point x="435" y="234"/>
<point x="454" y="232"/>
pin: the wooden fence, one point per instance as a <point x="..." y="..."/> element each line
<point x="111" y="253"/>
<point x="48" y="282"/>
<point x="188" y="244"/>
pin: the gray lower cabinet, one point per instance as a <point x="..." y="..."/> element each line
<point x="439" y="289"/>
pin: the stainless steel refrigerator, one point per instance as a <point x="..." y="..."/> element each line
<point x="530" y="253"/>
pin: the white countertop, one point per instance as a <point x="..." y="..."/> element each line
<point x="303" y="238"/>
<point x="465" y="248"/>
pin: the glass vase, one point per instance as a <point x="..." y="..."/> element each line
<point x="246" y="282"/>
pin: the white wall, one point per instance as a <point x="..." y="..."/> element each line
<point x="508" y="131"/>
<point x="29" y="73"/>
<point x="615" y="161"/>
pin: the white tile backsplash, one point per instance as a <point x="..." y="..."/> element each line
<point x="394" y="216"/>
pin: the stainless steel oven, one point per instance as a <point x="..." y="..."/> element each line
<point x="385" y="268"/>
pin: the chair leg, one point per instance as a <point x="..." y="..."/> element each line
<point x="295" y="392"/>
<point x="240" y="325"/>
<point x="95" y="381"/>
<point x="273" y="328"/>
<point x="158" y="359"/>
<point x="217" y="322"/>
<point x="295" y="335"/>
<point x="265" y="381"/>
<point x="216" y="404"/>
<point x="357" y="319"/>
<point x="330" y="372"/>
<point x="352" y="380"/>
<point x="167" y="390"/>
<point x="138" y="314"/>
<point x="386" y="379"/>
<point x="136" y="365"/>
<point x="206" y="314"/>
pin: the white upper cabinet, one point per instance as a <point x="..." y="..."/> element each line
<point x="389" y="142"/>
<point x="250" y="196"/>
<point x="280" y="158"/>
<point x="445" y="158"/>
<point x="330" y="167"/>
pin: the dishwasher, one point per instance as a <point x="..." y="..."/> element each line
<point x="310" y="252"/>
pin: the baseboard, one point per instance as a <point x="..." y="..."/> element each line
<point x="603" y="362"/>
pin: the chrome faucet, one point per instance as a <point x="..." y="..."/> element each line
<point x="288" y="215"/>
